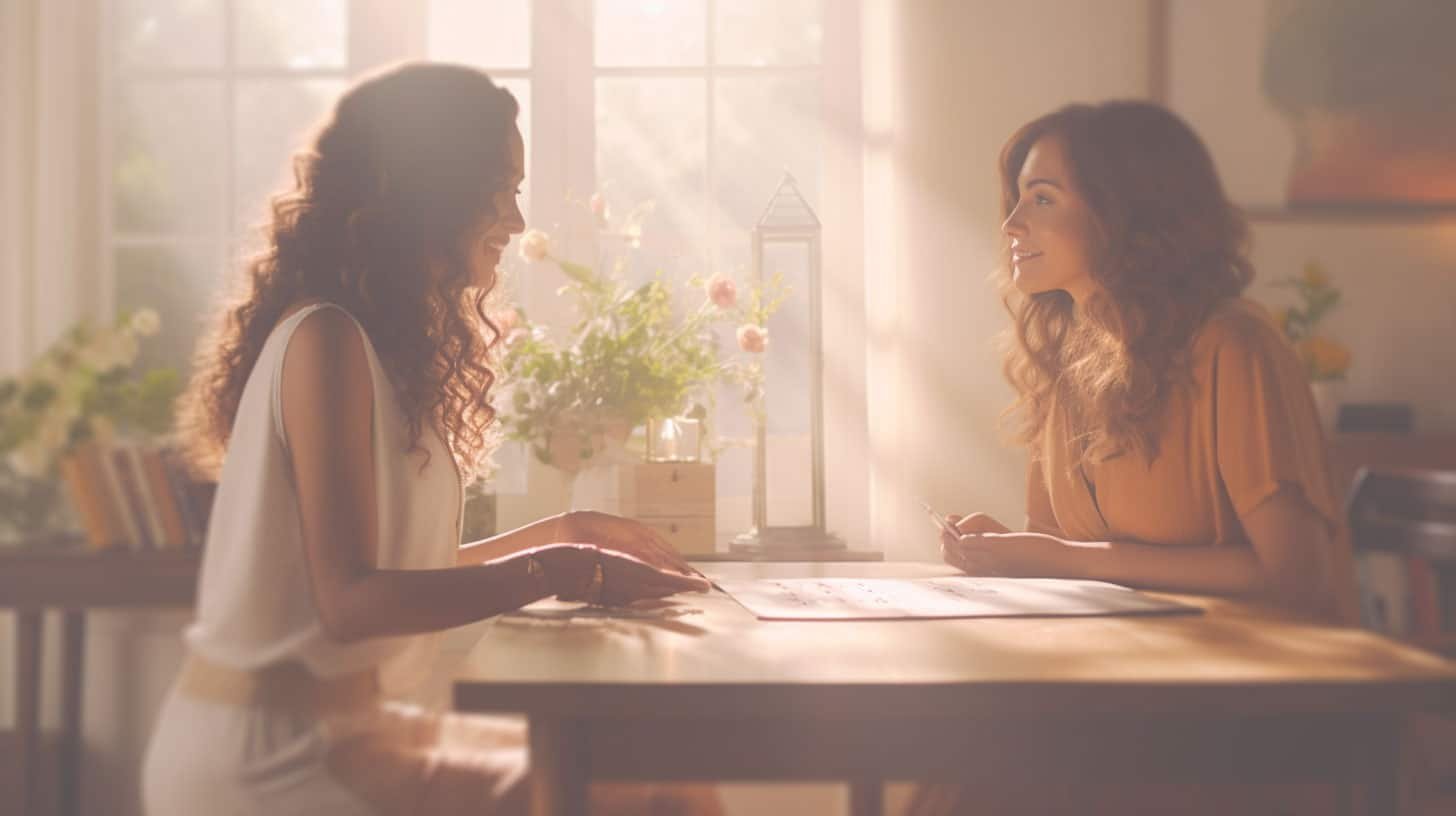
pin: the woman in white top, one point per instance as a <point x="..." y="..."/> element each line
<point x="343" y="403"/>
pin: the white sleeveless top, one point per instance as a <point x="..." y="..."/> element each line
<point x="254" y="601"/>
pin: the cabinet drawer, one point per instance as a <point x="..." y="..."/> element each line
<point x="691" y="535"/>
<point x="668" y="489"/>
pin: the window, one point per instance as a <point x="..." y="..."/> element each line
<point x="696" y="107"/>
<point x="210" y="97"/>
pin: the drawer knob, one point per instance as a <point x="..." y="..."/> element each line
<point x="674" y="474"/>
<point x="672" y="528"/>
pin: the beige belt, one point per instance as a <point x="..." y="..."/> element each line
<point x="287" y="685"/>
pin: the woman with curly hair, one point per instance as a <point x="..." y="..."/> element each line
<point x="1174" y="443"/>
<point x="343" y="403"/>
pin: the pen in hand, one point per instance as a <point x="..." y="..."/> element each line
<point x="941" y="522"/>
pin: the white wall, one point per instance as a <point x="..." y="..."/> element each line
<point x="1399" y="311"/>
<point x="962" y="77"/>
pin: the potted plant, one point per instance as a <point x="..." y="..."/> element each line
<point x="84" y="387"/>
<point x="632" y="354"/>
<point x="1326" y="361"/>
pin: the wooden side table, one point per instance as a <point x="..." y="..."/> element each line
<point x="73" y="580"/>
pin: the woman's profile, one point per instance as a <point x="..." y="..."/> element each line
<point x="1172" y="437"/>
<point x="342" y="401"/>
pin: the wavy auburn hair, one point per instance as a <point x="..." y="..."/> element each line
<point x="1169" y="246"/>
<point x="383" y="199"/>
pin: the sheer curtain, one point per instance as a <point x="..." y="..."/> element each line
<point x="49" y="212"/>
<point x="48" y="204"/>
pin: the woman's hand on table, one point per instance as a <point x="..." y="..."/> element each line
<point x="606" y="577"/>
<point x="622" y="536"/>
<point x="987" y="547"/>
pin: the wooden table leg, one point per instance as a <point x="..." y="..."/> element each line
<point x="27" y="707"/>
<point x="866" y="797"/>
<point x="1383" y="778"/>
<point x="72" y="685"/>
<point x="559" y="772"/>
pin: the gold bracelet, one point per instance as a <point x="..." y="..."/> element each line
<point x="598" y="583"/>
<point x="537" y="573"/>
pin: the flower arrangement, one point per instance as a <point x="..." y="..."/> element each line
<point x="83" y="387"/>
<point x="1324" y="359"/>
<point x="630" y="356"/>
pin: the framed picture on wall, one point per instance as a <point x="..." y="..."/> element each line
<point x="1345" y="106"/>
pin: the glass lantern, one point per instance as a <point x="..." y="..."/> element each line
<point x="788" y="460"/>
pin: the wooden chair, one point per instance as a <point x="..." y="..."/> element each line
<point x="1413" y="513"/>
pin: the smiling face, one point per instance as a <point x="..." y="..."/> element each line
<point x="486" y="244"/>
<point x="1051" y="227"/>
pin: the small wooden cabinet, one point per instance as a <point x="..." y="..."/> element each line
<point x="675" y="498"/>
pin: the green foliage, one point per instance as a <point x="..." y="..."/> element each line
<point x="630" y="356"/>
<point x="1317" y="298"/>
<point x="84" y="386"/>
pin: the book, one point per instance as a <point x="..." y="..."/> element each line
<point x="194" y="500"/>
<point x="1446" y="584"/>
<point x="1384" y="591"/>
<point x="1424" y="597"/>
<point x="151" y="517"/>
<point x="131" y="532"/>
<point x="90" y="457"/>
<point x="159" y="487"/>
<point x="85" y="497"/>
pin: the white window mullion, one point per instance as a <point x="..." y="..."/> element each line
<point x="229" y="125"/>
<point x="109" y="83"/>
<point x="384" y="31"/>
<point x="710" y="161"/>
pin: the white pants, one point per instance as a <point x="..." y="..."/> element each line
<point x="209" y="757"/>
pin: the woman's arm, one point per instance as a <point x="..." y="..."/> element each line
<point x="328" y="403"/>
<point x="509" y="543"/>
<point x="1284" y="565"/>
<point x="327" y="397"/>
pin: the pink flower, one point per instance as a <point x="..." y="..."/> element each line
<point x="535" y="245"/>
<point x="599" y="209"/>
<point x="722" y="292"/>
<point x="752" y="339"/>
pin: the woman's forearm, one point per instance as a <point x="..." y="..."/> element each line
<point x="535" y="534"/>
<point x="406" y="602"/>
<point x="1212" y="570"/>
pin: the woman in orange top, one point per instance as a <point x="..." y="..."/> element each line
<point x="1174" y="441"/>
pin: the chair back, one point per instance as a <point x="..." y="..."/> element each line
<point x="1409" y="512"/>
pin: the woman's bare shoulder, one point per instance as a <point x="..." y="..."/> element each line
<point x="325" y="362"/>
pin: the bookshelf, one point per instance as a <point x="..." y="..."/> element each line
<point x="1401" y="514"/>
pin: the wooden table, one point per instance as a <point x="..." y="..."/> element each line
<point x="1240" y="693"/>
<point x="73" y="580"/>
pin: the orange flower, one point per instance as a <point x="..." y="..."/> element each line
<point x="1325" y="359"/>
<point x="1315" y="276"/>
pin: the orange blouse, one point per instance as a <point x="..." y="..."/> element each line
<point x="1244" y="429"/>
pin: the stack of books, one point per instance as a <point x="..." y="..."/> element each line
<point x="136" y="497"/>
<point x="1409" y="596"/>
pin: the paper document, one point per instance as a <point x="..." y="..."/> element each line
<point x="949" y="597"/>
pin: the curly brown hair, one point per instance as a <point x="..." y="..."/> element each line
<point x="1169" y="246"/>
<point x="394" y="179"/>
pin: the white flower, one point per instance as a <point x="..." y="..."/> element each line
<point x="535" y="245"/>
<point x="30" y="460"/>
<point x="108" y="351"/>
<point x="146" y="322"/>
<point x="36" y="456"/>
